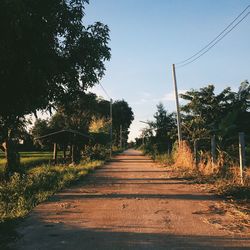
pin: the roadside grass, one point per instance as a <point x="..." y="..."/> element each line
<point x="223" y="181"/>
<point x="30" y="159"/>
<point x="221" y="178"/>
<point x="228" y="187"/>
<point x="23" y="192"/>
<point x="166" y="159"/>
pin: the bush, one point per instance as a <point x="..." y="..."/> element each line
<point x="95" y="152"/>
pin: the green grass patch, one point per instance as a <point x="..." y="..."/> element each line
<point x="34" y="154"/>
<point x="30" y="159"/>
<point x="164" y="159"/>
<point x="21" y="193"/>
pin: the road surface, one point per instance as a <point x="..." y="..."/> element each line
<point x="131" y="203"/>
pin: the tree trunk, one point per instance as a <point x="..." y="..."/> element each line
<point x="76" y="154"/>
<point x="12" y="157"/>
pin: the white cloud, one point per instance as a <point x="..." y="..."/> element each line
<point x="170" y="97"/>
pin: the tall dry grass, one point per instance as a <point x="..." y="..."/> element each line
<point x="224" y="168"/>
<point x="183" y="156"/>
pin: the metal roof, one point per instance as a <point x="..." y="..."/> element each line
<point x="62" y="131"/>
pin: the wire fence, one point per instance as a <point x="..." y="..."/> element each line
<point x="217" y="154"/>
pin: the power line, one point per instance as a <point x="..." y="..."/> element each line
<point x="214" y="41"/>
<point x="104" y="90"/>
<point x="111" y="119"/>
<point x="214" y="38"/>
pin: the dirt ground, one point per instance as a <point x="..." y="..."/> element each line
<point x="131" y="203"/>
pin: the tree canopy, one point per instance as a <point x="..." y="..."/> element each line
<point x="224" y="114"/>
<point x="122" y="115"/>
<point x="161" y="133"/>
<point x="47" y="53"/>
<point x="47" y="56"/>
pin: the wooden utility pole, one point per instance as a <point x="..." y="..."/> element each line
<point x="242" y="154"/>
<point x="177" y="105"/>
<point x="111" y="127"/>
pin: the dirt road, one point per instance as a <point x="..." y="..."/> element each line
<point x="131" y="203"/>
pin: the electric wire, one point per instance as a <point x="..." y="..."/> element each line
<point x="104" y="90"/>
<point x="181" y="62"/>
<point x="214" y="41"/>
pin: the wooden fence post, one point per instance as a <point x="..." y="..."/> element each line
<point x="242" y="154"/>
<point x="195" y="154"/>
<point x="55" y="153"/>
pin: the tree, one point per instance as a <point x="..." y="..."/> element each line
<point x="237" y="119"/>
<point x="165" y="126"/>
<point x="204" y="110"/>
<point x="47" y="56"/>
<point x="164" y="135"/>
<point x="41" y="128"/>
<point x="224" y="114"/>
<point x="122" y="116"/>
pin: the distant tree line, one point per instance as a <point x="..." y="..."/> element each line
<point x="89" y="115"/>
<point x="203" y="115"/>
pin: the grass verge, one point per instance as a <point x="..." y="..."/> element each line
<point x="226" y="187"/>
<point x="23" y="192"/>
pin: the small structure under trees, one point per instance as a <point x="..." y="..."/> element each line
<point x="65" y="138"/>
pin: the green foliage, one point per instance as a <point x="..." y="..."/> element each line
<point x="48" y="56"/>
<point x="166" y="159"/>
<point x="224" y="114"/>
<point x="159" y="136"/>
<point x="40" y="128"/>
<point x="165" y="126"/>
<point x="122" y="115"/>
<point x="96" y="151"/>
<point x="29" y="160"/>
<point x="47" y="52"/>
<point x="203" y="111"/>
<point x="22" y="192"/>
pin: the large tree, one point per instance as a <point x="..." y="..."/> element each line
<point x="165" y="127"/>
<point x="224" y="114"/>
<point x="122" y="118"/>
<point x="47" y="54"/>
<point x="203" y="111"/>
<point x="160" y="134"/>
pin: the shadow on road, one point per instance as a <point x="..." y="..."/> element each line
<point x="133" y="196"/>
<point x="63" y="236"/>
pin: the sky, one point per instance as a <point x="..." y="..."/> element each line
<point x="148" y="36"/>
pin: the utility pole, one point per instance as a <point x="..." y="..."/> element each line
<point x="177" y="105"/>
<point x="111" y="127"/>
<point x="120" y="136"/>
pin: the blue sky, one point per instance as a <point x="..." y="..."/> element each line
<point x="148" y="36"/>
